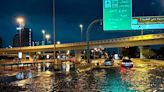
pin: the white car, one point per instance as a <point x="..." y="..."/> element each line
<point x="108" y="62"/>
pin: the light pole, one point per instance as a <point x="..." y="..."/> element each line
<point x="20" y="21"/>
<point x="142" y="30"/>
<point x="81" y="29"/>
<point x="43" y="32"/>
<point x="54" y="28"/>
<point x="47" y="37"/>
<point x="141" y="47"/>
<point x="88" y="36"/>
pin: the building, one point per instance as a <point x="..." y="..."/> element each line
<point x="26" y="38"/>
<point x="1" y="44"/>
<point x="16" y="40"/>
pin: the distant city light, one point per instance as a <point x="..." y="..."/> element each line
<point x="18" y="28"/>
<point x="47" y="36"/>
<point x="43" y="31"/>
<point x="81" y="26"/>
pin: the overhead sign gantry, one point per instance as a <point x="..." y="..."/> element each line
<point x="117" y="15"/>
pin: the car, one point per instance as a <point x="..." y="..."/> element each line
<point x="108" y="62"/>
<point x="127" y="63"/>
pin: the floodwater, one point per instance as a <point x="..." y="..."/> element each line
<point x="114" y="79"/>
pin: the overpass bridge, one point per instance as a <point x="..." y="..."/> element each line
<point x="151" y="39"/>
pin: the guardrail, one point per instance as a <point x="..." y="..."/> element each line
<point x="21" y="65"/>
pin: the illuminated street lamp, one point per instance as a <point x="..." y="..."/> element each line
<point x="21" y="22"/>
<point x="88" y="36"/>
<point x="43" y="32"/>
<point x="58" y="42"/>
<point x="81" y="28"/>
<point x="47" y="37"/>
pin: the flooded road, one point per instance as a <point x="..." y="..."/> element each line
<point x="142" y="78"/>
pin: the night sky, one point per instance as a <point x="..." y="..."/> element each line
<point x="69" y="14"/>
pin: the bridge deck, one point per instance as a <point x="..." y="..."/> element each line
<point x="152" y="39"/>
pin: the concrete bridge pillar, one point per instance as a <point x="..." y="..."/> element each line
<point x="31" y="56"/>
<point x="141" y="49"/>
<point x="78" y="55"/>
<point x="24" y="56"/>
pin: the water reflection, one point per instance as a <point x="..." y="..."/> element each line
<point x="143" y="81"/>
<point x="102" y="80"/>
<point x="157" y="79"/>
<point x="115" y="83"/>
<point x="97" y="80"/>
<point x="44" y="67"/>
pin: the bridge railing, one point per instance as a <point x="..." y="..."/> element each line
<point x="134" y="38"/>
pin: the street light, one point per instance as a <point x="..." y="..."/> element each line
<point x="20" y="21"/>
<point x="43" y="32"/>
<point x="47" y="37"/>
<point x="81" y="28"/>
<point x="54" y="27"/>
<point x="88" y="36"/>
<point x="58" y="42"/>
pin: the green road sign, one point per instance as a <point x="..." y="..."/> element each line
<point x="117" y="15"/>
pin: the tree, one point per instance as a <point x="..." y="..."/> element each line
<point x="148" y="53"/>
<point x="132" y="52"/>
<point x="161" y="51"/>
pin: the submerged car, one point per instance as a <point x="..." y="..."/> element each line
<point x="127" y="63"/>
<point x="108" y="62"/>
